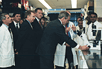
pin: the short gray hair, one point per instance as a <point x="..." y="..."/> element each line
<point x="63" y="14"/>
<point x="3" y="16"/>
<point x="28" y="13"/>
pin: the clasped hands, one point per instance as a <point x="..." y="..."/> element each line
<point x="16" y="52"/>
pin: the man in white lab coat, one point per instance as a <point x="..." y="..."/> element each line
<point x="81" y="38"/>
<point x="91" y="34"/>
<point x="6" y="43"/>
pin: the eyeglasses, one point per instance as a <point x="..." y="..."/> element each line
<point x="93" y="17"/>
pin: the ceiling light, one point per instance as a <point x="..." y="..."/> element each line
<point x="74" y="3"/>
<point x="0" y="0"/>
<point x="45" y="4"/>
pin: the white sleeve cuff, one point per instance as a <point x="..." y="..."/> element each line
<point x="77" y="46"/>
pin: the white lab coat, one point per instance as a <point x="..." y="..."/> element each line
<point x="61" y="49"/>
<point x="82" y="40"/>
<point x="89" y="32"/>
<point x="6" y="48"/>
<point x="85" y="25"/>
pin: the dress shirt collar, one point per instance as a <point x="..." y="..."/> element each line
<point x="16" y="23"/>
<point x="61" y="23"/>
<point x="37" y="19"/>
<point x="6" y="25"/>
<point x="28" y="22"/>
<point x="95" y="23"/>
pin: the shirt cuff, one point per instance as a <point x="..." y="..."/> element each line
<point x="77" y="46"/>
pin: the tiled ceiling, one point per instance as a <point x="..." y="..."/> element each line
<point x="56" y="4"/>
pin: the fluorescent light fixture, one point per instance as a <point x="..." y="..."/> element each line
<point x="0" y="0"/>
<point x="74" y="3"/>
<point x="45" y="4"/>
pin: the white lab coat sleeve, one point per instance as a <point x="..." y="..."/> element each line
<point x="84" y="37"/>
<point x="74" y="35"/>
<point x="1" y="36"/>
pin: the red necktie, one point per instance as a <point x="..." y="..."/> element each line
<point x="67" y="31"/>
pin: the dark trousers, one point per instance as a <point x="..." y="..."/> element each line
<point x="25" y="62"/>
<point x="69" y="57"/>
<point x="46" y="62"/>
<point x="17" y="60"/>
<point x="36" y="63"/>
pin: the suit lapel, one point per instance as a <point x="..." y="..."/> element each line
<point x="29" y="24"/>
<point x="38" y="24"/>
<point x="59" y="22"/>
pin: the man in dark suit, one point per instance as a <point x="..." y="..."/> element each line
<point x="1" y="23"/>
<point x="15" y="26"/>
<point x="53" y="34"/>
<point x="25" y="46"/>
<point x="37" y="25"/>
<point x="38" y="30"/>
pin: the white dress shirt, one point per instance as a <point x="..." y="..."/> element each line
<point x="16" y="23"/>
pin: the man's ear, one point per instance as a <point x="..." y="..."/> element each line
<point x="3" y="20"/>
<point x="27" y="16"/>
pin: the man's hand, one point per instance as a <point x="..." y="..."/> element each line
<point x="85" y="52"/>
<point x="84" y="47"/>
<point x="16" y="53"/>
<point x="68" y="13"/>
<point x="67" y="29"/>
<point x="15" y="49"/>
<point x="67" y="45"/>
<point x="73" y="28"/>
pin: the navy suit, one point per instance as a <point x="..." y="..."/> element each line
<point x="15" y="32"/>
<point x="25" y="46"/>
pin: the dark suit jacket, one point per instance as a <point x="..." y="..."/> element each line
<point x="25" y="43"/>
<point x="1" y="23"/>
<point x="14" y="31"/>
<point x="38" y="31"/>
<point x="53" y="34"/>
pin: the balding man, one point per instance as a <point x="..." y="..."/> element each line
<point x="25" y="45"/>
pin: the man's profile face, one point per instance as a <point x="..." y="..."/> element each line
<point x="8" y="19"/>
<point x="65" y="21"/>
<point x="32" y="17"/>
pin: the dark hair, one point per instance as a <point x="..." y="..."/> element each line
<point x="28" y="13"/>
<point x="80" y="18"/>
<point x="16" y="13"/>
<point x="93" y="13"/>
<point x="43" y="18"/>
<point x="38" y="9"/>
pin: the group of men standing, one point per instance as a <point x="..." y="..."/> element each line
<point x="21" y="39"/>
<point x="33" y="46"/>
